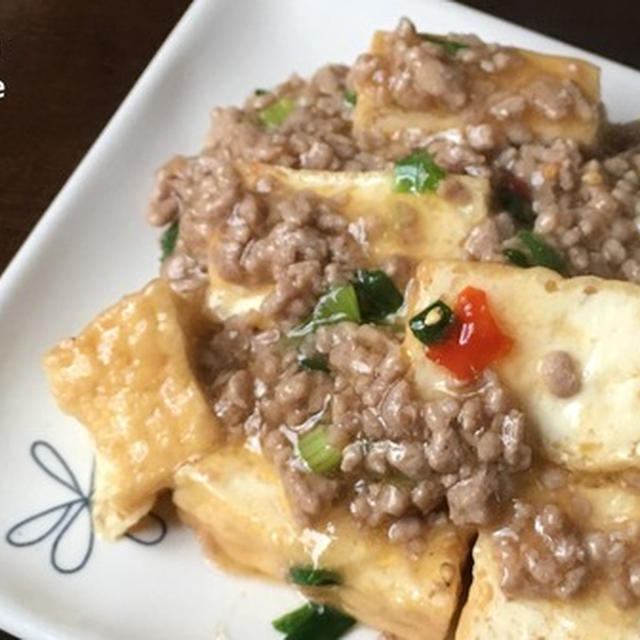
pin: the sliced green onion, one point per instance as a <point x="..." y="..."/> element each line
<point x="326" y="623"/>
<point x="417" y="173"/>
<point x="310" y="577"/>
<point x="542" y="254"/>
<point x="314" y="362"/>
<point x="337" y="305"/>
<point x="168" y="240"/>
<point x="291" y="621"/>
<point x="433" y="323"/>
<point x="450" y="47"/>
<point x="369" y="298"/>
<point x="316" y="450"/>
<point x="314" y="621"/>
<point x="275" y="114"/>
<point x="517" y="257"/>
<point x="377" y="295"/>
<point x="260" y="92"/>
<point x="351" y="97"/>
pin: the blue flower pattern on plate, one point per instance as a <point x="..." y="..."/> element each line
<point x="56" y="521"/>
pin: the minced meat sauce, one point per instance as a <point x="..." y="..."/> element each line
<point x="404" y="463"/>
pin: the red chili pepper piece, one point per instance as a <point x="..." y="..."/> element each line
<point x="475" y="340"/>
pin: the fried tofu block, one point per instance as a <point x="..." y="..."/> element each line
<point x="489" y="614"/>
<point x="386" y="222"/>
<point x="433" y="224"/>
<point x="235" y="501"/>
<point x="593" y="320"/>
<point x="375" y="113"/>
<point x="127" y="378"/>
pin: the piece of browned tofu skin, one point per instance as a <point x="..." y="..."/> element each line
<point x="378" y="116"/>
<point x="235" y="501"/>
<point x="127" y="377"/>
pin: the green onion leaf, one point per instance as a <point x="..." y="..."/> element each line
<point x="310" y="577"/>
<point x="377" y="295"/>
<point x="517" y="257"/>
<point x="314" y="621"/>
<point x="450" y="47"/>
<point x="326" y="623"/>
<point x="542" y="254"/>
<point x="291" y="621"/>
<point x="168" y="240"/>
<point x="260" y="92"/>
<point x="369" y="298"/>
<point x="433" y="323"/>
<point x="314" y="362"/>
<point x="316" y="450"/>
<point x="351" y="97"/>
<point x="275" y="114"/>
<point x="337" y="305"/>
<point x="417" y="173"/>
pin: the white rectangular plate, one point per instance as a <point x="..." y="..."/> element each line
<point x="91" y="247"/>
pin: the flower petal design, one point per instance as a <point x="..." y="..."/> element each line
<point x="53" y="464"/>
<point x="149" y="531"/>
<point x="71" y="522"/>
<point x="73" y="545"/>
<point x="40" y="526"/>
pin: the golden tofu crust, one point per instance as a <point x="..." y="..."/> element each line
<point x="128" y="379"/>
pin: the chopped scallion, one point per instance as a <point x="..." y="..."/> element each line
<point x="314" y="621"/>
<point x="433" y="323"/>
<point x="275" y="114"/>
<point x="542" y="254"/>
<point x="369" y="298"/>
<point x="350" y="97"/>
<point x="377" y="295"/>
<point x="516" y="257"/>
<point x="450" y="47"/>
<point x="310" y="577"/>
<point x="291" y="621"/>
<point x="168" y="240"/>
<point x="260" y="92"/>
<point x="314" y="362"/>
<point x="337" y="305"/>
<point x="316" y="450"/>
<point x="417" y="173"/>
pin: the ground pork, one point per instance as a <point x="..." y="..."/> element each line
<point x="586" y="209"/>
<point x="401" y="457"/>
<point x="543" y="552"/>
<point x="405" y="462"/>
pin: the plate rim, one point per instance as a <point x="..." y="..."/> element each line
<point x="18" y="620"/>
